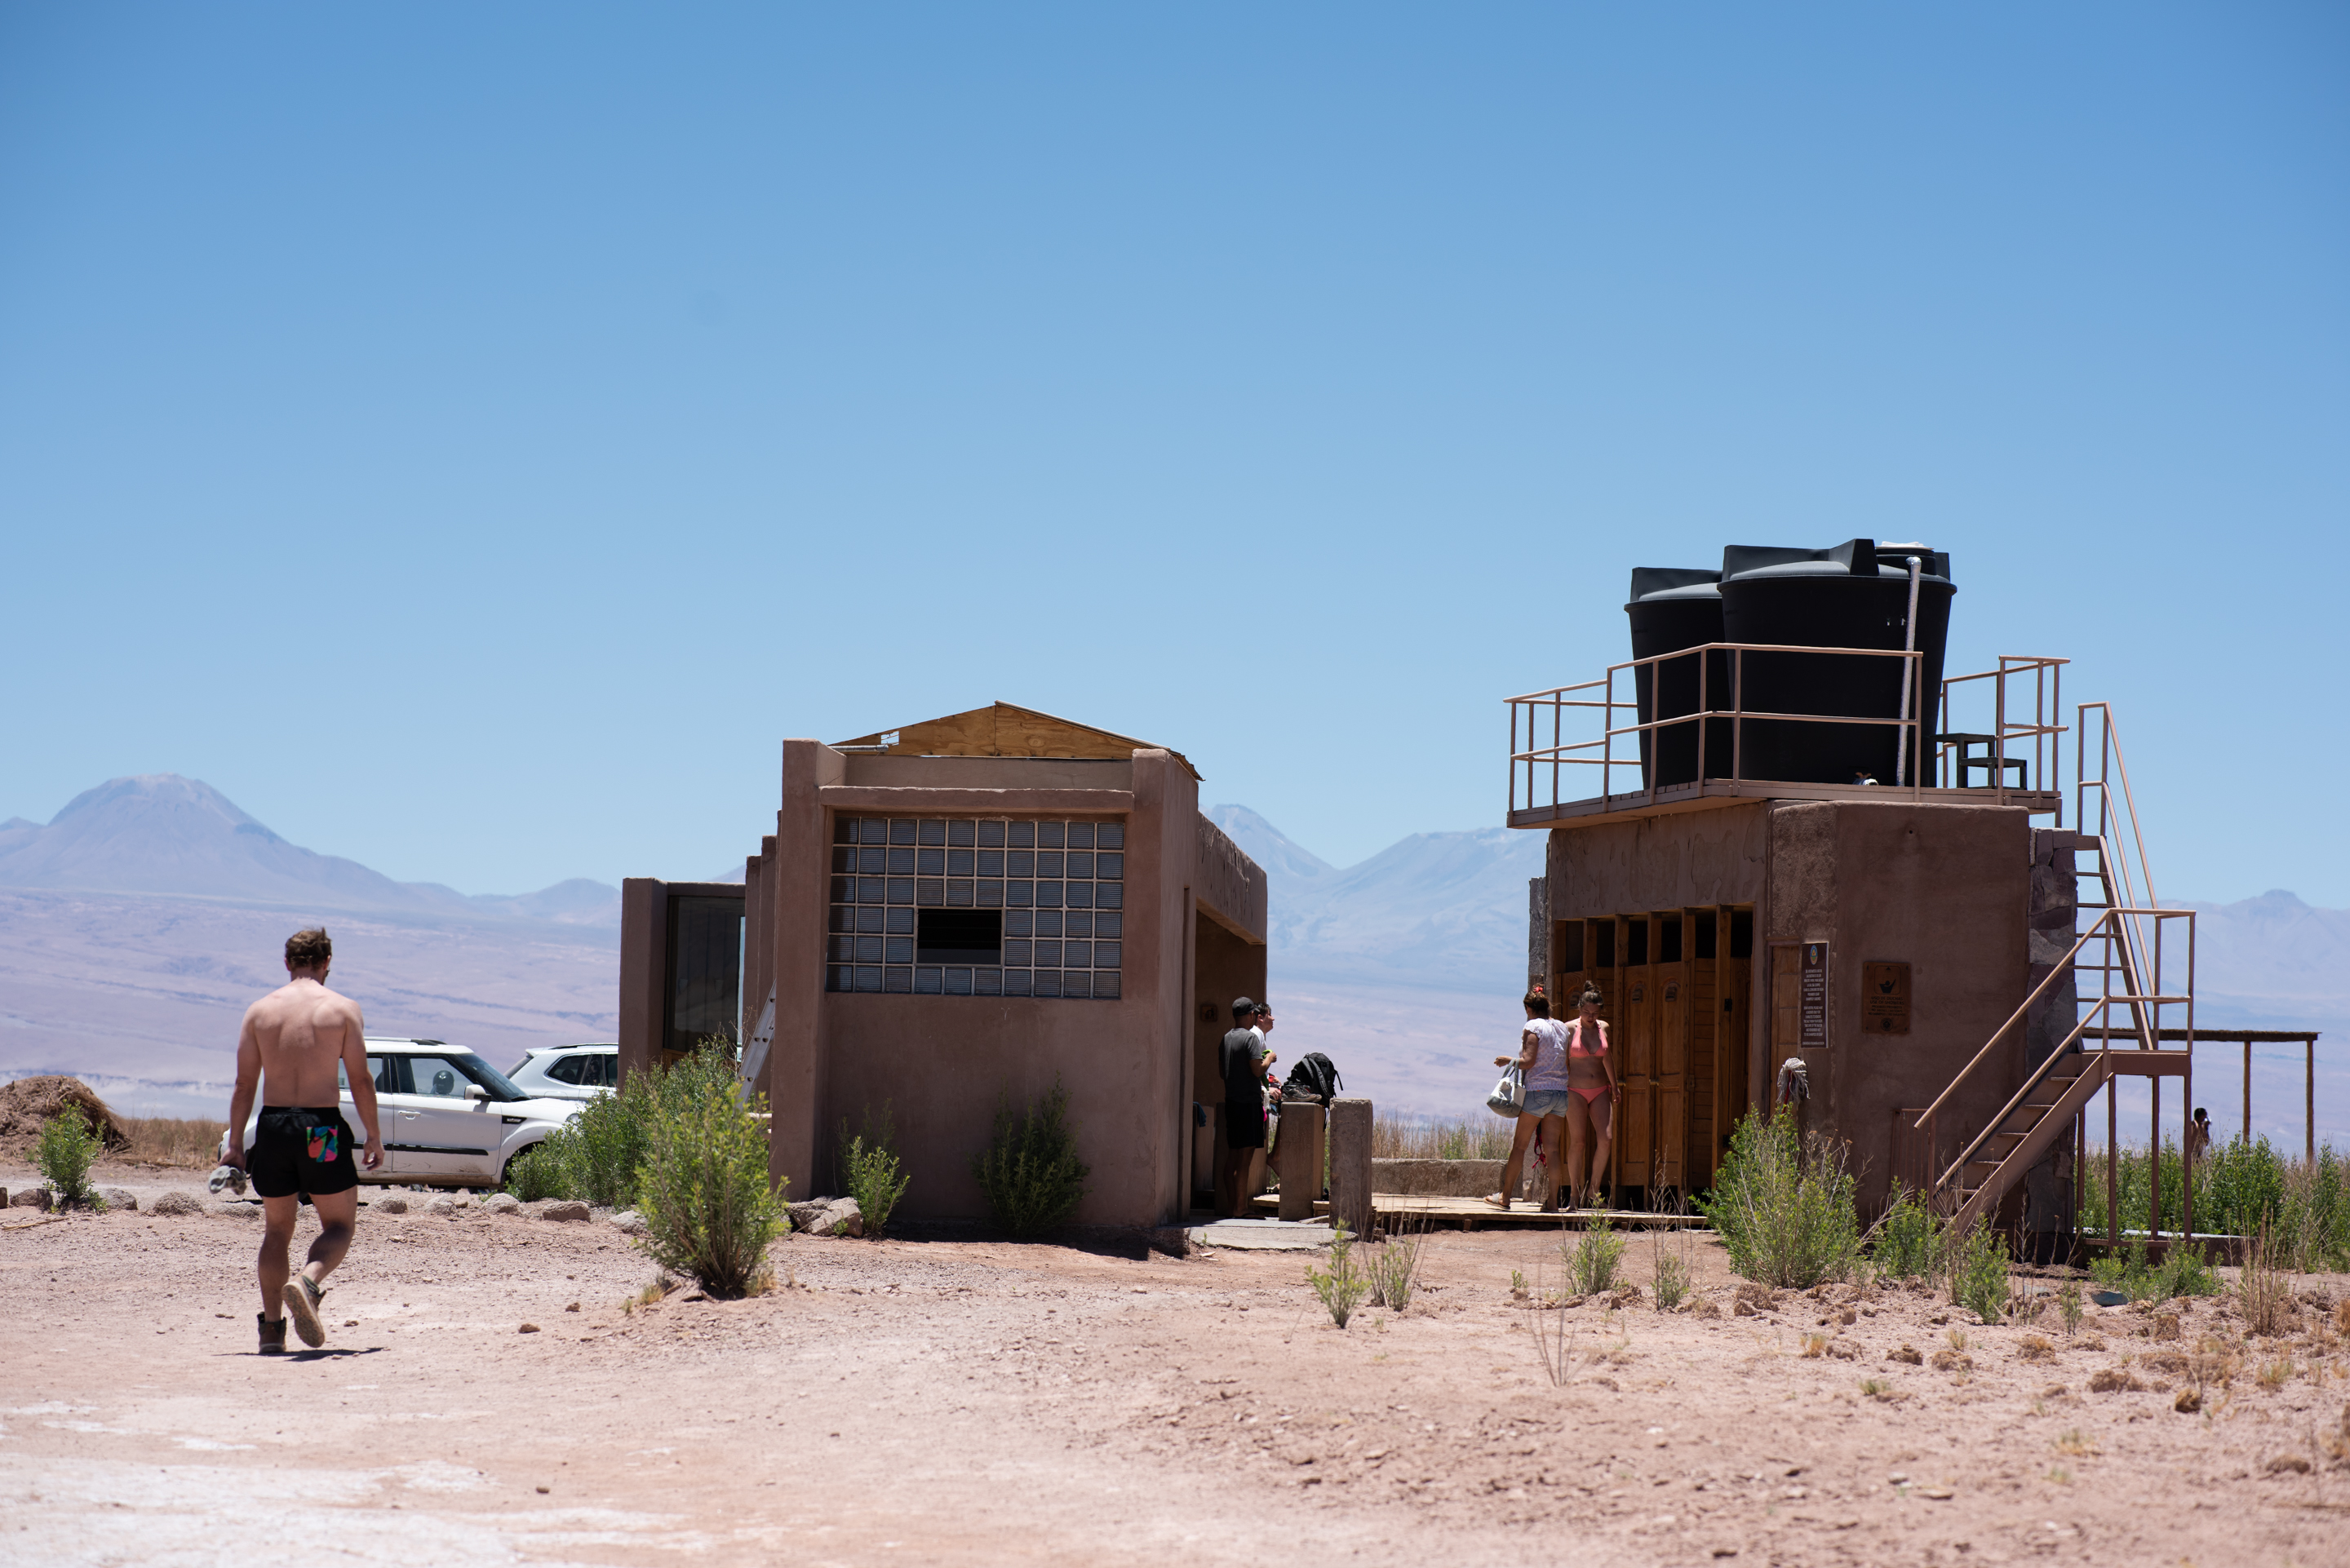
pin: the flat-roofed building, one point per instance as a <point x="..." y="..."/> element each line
<point x="954" y="912"/>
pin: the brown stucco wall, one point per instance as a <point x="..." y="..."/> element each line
<point x="1942" y="888"/>
<point x="938" y="1063"/>
<point x="1945" y="888"/>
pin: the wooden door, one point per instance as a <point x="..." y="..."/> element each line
<point x="1703" y="1013"/>
<point x="1671" y="1012"/>
<point x="1736" y="1027"/>
<point x="1636" y="1066"/>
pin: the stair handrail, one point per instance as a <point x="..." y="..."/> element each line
<point x="2112" y="766"/>
<point x="2063" y="967"/>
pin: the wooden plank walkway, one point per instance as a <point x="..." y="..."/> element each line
<point x="1471" y="1213"/>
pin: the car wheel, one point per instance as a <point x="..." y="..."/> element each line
<point x="514" y="1162"/>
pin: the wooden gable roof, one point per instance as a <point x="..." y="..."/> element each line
<point x="1002" y="730"/>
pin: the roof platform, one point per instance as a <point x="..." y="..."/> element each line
<point x="1708" y="794"/>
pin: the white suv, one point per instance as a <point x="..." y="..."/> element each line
<point x="568" y="1072"/>
<point x="449" y="1118"/>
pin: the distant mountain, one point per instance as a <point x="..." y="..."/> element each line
<point x="160" y="832"/>
<point x="1438" y="909"/>
<point x="2272" y="958"/>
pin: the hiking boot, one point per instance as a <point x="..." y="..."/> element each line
<point x="302" y="1305"/>
<point x="273" y="1335"/>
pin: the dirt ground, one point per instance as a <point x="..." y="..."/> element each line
<point x="949" y="1398"/>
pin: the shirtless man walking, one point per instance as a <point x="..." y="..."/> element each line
<point x="293" y="1039"/>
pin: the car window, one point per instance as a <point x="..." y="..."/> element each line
<point x="608" y="1064"/>
<point x="567" y="1069"/>
<point x="436" y="1077"/>
<point x="386" y="1072"/>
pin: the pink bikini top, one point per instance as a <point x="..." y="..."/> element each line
<point x="1574" y="1040"/>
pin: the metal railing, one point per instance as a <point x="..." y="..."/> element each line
<point x="2041" y="760"/>
<point x="1538" y="770"/>
<point x="2095" y="1020"/>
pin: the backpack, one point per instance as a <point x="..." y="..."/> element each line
<point x="1314" y="1077"/>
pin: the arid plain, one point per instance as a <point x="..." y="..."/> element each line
<point x="1081" y="1404"/>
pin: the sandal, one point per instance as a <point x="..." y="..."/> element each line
<point x="302" y="1305"/>
<point x="1499" y="1200"/>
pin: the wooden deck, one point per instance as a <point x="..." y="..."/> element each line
<point x="1473" y="1213"/>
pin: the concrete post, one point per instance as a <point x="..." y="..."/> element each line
<point x="1350" y="1164"/>
<point x="1299" y="1155"/>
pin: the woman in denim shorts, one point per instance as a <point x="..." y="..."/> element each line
<point x="1541" y="1057"/>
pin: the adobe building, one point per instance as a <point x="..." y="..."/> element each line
<point x="1818" y="866"/>
<point x="956" y="911"/>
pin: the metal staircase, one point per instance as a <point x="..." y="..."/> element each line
<point x="2118" y="968"/>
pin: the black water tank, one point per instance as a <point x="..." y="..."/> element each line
<point x="1854" y="596"/>
<point x="1675" y="607"/>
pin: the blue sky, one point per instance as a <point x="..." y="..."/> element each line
<point x="472" y="437"/>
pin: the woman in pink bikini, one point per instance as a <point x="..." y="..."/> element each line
<point x="1591" y="1097"/>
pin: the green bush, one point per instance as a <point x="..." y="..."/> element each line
<point x="710" y="1210"/>
<point x="868" y="1171"/>
<point x="1784" y="1212"/>
<point x="2240" y="1185"/>
<point x="1593" y="1259"/>
<point x="1342" y="1286"/>
<point x="539" y="1171"/>
<point x="1030" y="1172"/>
<point x="1978" y="1264"/>
<point x="1394" y="1269"/>
<point x="1908" y="1242"/>
<point x="2183" y="1271"/>
<point x="68" y="1148"/>
<point x="1671" y="1270"/>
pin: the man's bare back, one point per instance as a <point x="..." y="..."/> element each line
<point x="300" y="1031"/>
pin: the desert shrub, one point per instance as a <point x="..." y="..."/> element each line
<point x="186" y="1142"/>
<point x="1394" y="1269"/>
<point x="1977" y="1272"/>
<point x="2070" y="1308"/>
<point x="1592" y="1258"/>
<point x="2265" y="1294"/>
<point x="1342" y="1286"/>
<point x="1907" y="1243"/>
<point x="2183" y="1271"/>
<point x="2239" y="1187"/>
<point x="1784" y="1212"/>
<point x="710" y="1210"/>
<point x="539" y="1171"/>
<point x="1029" y="1172"/>
<point x="67" y="1147"/>
<point x="1671" y="1269"/>
<point x="1434" y="1137"/>
<point x="869" y="1171"/>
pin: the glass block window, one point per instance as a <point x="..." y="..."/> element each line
<point x="958" y="907"/>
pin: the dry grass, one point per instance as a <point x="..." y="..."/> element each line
<point x="1430" y="1138"/>
<point x="176" y="1143"/>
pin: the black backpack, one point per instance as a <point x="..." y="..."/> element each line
<point x="1313" y="1076"/>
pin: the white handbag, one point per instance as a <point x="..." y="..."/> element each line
<point x="1509" y="1095"/>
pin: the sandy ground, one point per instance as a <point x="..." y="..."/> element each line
<point x="961" y="1400"/>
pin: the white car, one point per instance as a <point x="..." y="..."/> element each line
<point x="568" y="1072"/>
<point x="449" y="1118"/>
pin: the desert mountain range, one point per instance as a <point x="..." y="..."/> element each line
<point x="136" y="924"/>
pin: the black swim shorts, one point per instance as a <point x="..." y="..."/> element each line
<point x="299" y="1148"/>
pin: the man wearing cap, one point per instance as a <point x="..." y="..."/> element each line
<point x="1242" y="1061"/>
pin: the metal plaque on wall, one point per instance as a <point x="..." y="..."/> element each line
<point x="1884" y="997"/>
<point x="1813" y="1007"/>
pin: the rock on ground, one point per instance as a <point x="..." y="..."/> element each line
<point x="568" y="1209"/>
<point x="389" y="1205"/>
<point x="631" y="1222"/>
<point x="444" y="1205"/>
<point x="175" y="1202"/>
<point x="31" y="1198"/>
<point x="120" y="1198"/>
<point x="828" y="1217"/>
<point x="504" y="1203"/>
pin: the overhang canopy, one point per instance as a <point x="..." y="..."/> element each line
<point x="1002" y="730"/>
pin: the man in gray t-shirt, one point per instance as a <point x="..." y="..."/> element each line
<point x="1239" y="1062"/>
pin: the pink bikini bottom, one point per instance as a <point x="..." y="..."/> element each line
<point x="1590" y="1095"/>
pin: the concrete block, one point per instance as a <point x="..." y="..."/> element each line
<point x="1299" y="1155"/>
